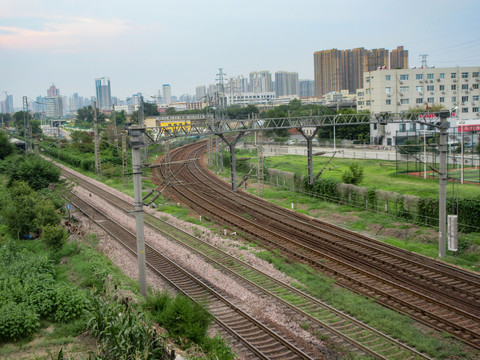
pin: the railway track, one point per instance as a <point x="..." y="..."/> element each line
<point x="319" y="315"/>
<point x="439" y="295"/>
<point x="262" y="341"/>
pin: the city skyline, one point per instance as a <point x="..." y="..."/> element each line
<point x="71" y="44"/>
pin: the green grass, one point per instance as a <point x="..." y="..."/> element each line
<point x="376" y="176"/>
<point x="399" y="326"/>
<point x="469" y="174"/>
<point x="89" y="269"/>
<point x="362" y="219"/>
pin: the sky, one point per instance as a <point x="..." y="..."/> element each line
<point x="143" y="44"/>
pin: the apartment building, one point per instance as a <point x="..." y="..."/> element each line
<point x="337" y="70"/>
<point x="401" y="90"/>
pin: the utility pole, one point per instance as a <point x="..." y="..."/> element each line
<point x="59" y="141"/>
<point x="96" y="140"/>
<point x="136" y="133"/>
<point x="141" y="120"/>
<point x="124" y="159"/>
<point x="260" y="175"/>
<point x="115" y="139"/>
<point x="26" y="125"/>
<point x="442" y="202"/>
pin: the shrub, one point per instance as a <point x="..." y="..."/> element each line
<point x="6" y="147"/>
<point x="181" y="316"/>
<point x="354" y="175"/>
<point x="17" y="321"/>
<point x="70" y="303"/>
<point x="54" y="236"/>
<point x="39" y="292"/>
<point x="122" y="333"/>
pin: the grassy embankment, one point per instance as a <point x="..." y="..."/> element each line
<point x="412" y="237"/>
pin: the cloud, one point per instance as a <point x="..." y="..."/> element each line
<point x="77" y="34"/>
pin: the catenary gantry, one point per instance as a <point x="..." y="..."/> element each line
<point x="308" y="126"/>
<point x="232" y="130"/>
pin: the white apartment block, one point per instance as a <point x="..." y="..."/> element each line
<point x="248" y="98"/>
<point x="400" y="90"/>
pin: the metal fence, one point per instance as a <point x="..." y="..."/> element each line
<point x="417" y="153"/>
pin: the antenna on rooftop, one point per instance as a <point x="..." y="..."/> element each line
<point x="423" y="57"/>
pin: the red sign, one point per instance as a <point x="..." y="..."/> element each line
<point x="434" y="116"/>
<point x="468" y="128"/>
<point x="428" y="116"/>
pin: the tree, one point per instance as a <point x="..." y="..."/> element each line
<point x="6" y="147"/>
<point x="348" y="132"/>
<point x="82" y="141"/>
<point x="36" y="172"/>
<point x="54" y="236"/>
<point x="423" y="109"/>
<point x="295" y="104"/>
<point x="150" y="109"/>
<point x="239" y="112"/>
<point x="121" y="118"/>
<point x="170" y="111"/>
<point x="36" y="129"/>
<point x="45" y="214"/>
<point x="5" y="117"/>
<point x="18" y="209"/>
<point x="354" y="175"/>
<point x="20" y="117"/>
<point x="84" y="115"/>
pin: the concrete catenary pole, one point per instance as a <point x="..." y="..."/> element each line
<point x="136" y="134"/>
<point x="96" y="140"/>
<point x="442" y="202"/>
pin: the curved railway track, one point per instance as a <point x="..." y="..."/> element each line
<point x="432" y="292"/>
<point x="321" y="316"/>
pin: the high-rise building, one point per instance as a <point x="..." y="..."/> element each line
<point x="286" y="83"/>
<point x="328" y="71"/>
<point x="399" y="58"/>
<point x="9" y="104"/>
<point x="104" y="95"/>
<point x="39" y="104"/>
<point x="53" y="91"/>
<point x="307" y="88"/>
<point x="260" y="81"/>
<point x="74" y="103"/>
<point x="337" y="70"/>
<point x="212" y="88"/>
<point x="54" y="106"/>
<point x="167" y="94"/>
<point x="200" y="93"/>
